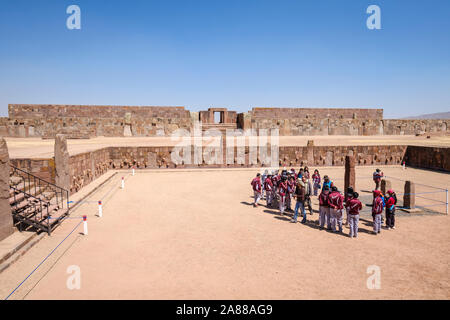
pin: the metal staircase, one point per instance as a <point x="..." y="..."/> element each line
<point x="36" y="204"/>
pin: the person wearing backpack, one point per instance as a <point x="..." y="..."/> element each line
<point x="390" y="209"/>
<point x="300" y="195"/>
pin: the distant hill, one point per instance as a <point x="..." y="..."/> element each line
<point x="439" y="115"/>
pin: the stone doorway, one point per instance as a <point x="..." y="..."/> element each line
<point x="218" y="117"/>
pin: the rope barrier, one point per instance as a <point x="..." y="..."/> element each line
<point x="63" y="218"/>
<point x="417" y="184"/>
<point x="12" y="292"/>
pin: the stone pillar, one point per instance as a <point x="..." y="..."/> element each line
<point x="6" y="219"/>
<point x="329" y="158"/>
<point x="349" y="176"/>
<point x="310" y="152"/>
<point x="409" y="198"/>
<point x="62" y="174"/>
<point x="385" y="185"/>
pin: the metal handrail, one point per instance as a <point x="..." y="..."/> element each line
<point x="60" y="194"/>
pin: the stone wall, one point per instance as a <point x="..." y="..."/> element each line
<point x="6" y="219"/>
<point x="352" y="127"/>
<point x="317" y="113"/>
<point x="42" y="168"/>
<point x="90" y="121"/>
<point x="428" y="158"/>
<point x="118" y="121"/>
<point x="227" y="117"/>
<point x="88" y="166"/>
<point x="335" y="155"/>
<point x="412" y="127"/>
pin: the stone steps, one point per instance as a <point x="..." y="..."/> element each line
<point x="32" y="205"/>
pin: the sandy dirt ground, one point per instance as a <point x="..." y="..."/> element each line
<point x="193" y="234"/>
<point x="43" y="148"/>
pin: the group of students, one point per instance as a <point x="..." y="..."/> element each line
<point x="283" y="187"/>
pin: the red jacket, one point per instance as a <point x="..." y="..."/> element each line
<point x="256" y="184"/>
<point x="268" y="185"/>
<point x="377" y="205"/>
<point x="335" y="200"/>
<point x="282" y="188"/>
<point x="389" y="203"/>
<point x="323" y="199"/>
<point x="316" y="178"/>
<point x="354" y="205"/>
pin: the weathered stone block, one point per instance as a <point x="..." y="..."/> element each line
<point x="62" y="176"/>
<point x="6" y="219"/>
<point x="409" y="197"/>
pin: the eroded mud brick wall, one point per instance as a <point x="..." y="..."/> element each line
<point x="90" y="121"/>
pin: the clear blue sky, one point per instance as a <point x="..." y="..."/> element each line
<point x="237" y="54"/>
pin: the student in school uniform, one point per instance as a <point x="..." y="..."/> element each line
<point x="354" y="207"/>
<point x="263" y="180"/>
<point x="316" y="181"/>
<point x="377" y="210"/>
<point x="282" y="191"/>
<point x="268" y="187"/>
<point x="324" y="208"/>
<point x="349" y="195"/>
<point x="391" y="201"/>
<point x="256" y="185"/>
<point x="336" y="203"/>
<point x="290" y="191"/>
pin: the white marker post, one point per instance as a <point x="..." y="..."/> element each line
<point x="123" y="183"/>
<point x="100" y="210"/>
<point x="85" y="231"/>
<point x="132" y="172"/>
